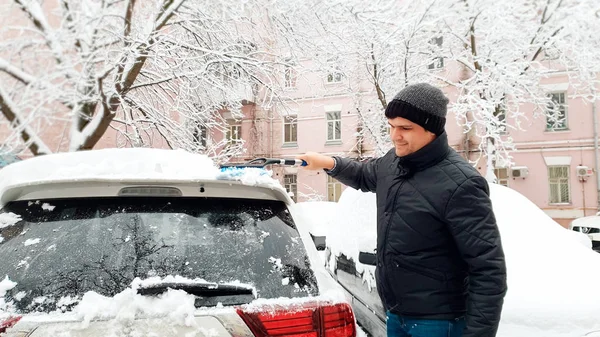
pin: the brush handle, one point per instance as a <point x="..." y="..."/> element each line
<point x="294" y="162"/>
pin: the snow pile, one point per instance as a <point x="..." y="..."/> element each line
<point x="249" y="176"/>
<point x="5" y="307"/>
<point x="320" y="215"/>
<point x="553" y="276"/>
<point x="332" y="296"/>
<point x="8" y="219"/>
<point x="355" y="230"/>
<point x="176" y="305"/>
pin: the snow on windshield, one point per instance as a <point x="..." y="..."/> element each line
<point x="8" y="219"/>
<point x="5" y="307"/>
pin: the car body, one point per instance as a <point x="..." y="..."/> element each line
<point x="589" y="225"/>
<point x="147" y="242"/>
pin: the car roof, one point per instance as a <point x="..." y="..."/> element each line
<point x="588" y="221"/>
<point x="140" y="171"/>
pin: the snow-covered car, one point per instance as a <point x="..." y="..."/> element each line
<point x="146" y="242"/>
<point x="589" y="225"/>
<point x="550" y="270"/>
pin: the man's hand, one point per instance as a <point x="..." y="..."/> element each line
<point x="316" y="161"/>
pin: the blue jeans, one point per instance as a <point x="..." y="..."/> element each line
<point x="401" y="326"/>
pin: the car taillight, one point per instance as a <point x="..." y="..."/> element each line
<point x="8" y="323"/>
<point x="303" y="320"/>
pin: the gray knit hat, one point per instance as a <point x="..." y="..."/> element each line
<point x="422" y="104"/>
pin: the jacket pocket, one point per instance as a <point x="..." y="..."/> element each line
<point x="416" y="290"/>
<point x="434" y="274"/>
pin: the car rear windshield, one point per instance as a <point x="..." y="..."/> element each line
<point x="63" y="248"/>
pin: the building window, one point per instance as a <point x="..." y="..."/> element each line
<point x="551" y="52"/>
<point x="556" y="115"/>
<point x="501" y="174"/>
<point x="335" y="74"/>
<point x="438" y="62"/>
<point x="234" y="132"/>
<point x="290" y="76"/>
<point x="558" y="178"/>
<point x="501" y="115"/>
<point x="290" y="182"/>
<point x="334" y="189"/>
<point x="334" y="125"/>
<point x="200" y="134"/>
<point x="290" y="129"/>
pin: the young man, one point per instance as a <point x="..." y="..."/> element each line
<point x="440" y="263"/>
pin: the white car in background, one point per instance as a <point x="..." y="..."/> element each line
<point x="589" y="225"/>
<point x="551" y="270"/>
<point x="146" y="242"/>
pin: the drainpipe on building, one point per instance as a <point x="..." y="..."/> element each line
<point x="596" y="159"/>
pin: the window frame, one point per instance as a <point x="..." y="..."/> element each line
<point x="502" y="181"/>
<point x="291" y="185"/>
<point x="559" y="182"/>
<point x="335" y="187"/>
<point x="331" y="123"/>
<point x="290" y="121"/>
<point x="562" y="108"/>
<point x="230" y="132"/>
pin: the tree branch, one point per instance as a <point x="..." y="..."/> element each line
<point x="36" y="14"/>
<point x="380" y="93"/>
<point x="15" y="72"/>
<point x="30" y="137"/>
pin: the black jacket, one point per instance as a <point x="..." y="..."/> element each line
<point x="439" y="253"/>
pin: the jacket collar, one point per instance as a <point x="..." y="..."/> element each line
<point x="428" y="156"/>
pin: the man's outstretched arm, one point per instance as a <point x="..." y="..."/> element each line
<point x="360" y="176"/>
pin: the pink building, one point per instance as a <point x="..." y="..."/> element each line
<point x="554" y="167"/>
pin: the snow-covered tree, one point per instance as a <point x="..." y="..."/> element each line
<point x="495" y="54"/>
<point x="152" y="69"/>
<point x="506" y="49"/>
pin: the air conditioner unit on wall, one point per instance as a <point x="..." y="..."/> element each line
<point x="519" y="171"/>
<point x="584" y="171"/>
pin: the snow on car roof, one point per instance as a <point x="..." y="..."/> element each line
<point x="137" y="164"/>
<point x="588" y="221"/>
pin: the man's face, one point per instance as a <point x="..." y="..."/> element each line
<point x="407" y="136"/>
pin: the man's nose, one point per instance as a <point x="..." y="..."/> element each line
<point x="395" y="134"/>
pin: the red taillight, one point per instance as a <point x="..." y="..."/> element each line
<point x="338" y="321"/>
<point x="8" y="323"/>
<point x="302" y="320"/>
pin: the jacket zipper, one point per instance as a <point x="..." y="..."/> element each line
<point x="387" y="228"/>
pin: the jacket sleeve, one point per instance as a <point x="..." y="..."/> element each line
<point x="360" y="176"/>
<point x="473" y="225"/>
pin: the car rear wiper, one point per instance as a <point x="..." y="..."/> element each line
<point x="205" y="289"/>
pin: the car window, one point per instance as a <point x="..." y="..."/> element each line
<point x="65" y="248"/>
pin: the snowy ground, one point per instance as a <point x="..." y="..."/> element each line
<point x="553" y="275"/>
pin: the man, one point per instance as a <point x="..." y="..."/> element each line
<point x="440" y="263"/>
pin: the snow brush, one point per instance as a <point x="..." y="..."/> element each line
<point x="262" y="162"/>
<point x="238" y="170"/>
